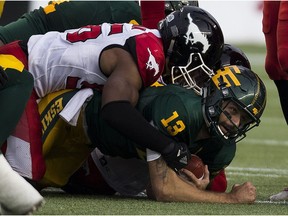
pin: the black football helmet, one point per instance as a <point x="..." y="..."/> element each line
<point x="239" y="85"/>
<point x="171" y="6"/>
<point x="232" y="55"/>
<point x="193" y="43"/>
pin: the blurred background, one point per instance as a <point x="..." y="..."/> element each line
<point x="241" y="21"/>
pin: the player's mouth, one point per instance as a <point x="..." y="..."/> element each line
<point x="227" y="130"/>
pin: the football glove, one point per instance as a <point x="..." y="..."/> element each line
<point x="3" y="77"/>
<point x="178" y="157"/>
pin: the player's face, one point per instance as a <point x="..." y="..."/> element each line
<point x="232" y="119"/>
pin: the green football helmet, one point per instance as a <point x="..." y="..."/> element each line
<point x="241" y="86"/>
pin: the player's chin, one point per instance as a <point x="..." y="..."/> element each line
<point x="226" y="132"/>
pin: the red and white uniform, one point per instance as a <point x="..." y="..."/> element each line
<point x="71" y="59"/>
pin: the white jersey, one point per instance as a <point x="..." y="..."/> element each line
<point x="71" y="59"/>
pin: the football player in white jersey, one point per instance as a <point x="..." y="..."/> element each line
<point x="119" y="59"/>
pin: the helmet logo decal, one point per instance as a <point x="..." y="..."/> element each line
<point x="255" y="111"/>
<point x="227" y="72"/>
<point x="152" y="64"/>
<point x="194" y="35"/>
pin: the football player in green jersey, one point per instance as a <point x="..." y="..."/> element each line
<point x="231" y="105"/>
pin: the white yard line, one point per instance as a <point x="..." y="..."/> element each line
<point x="267" y="142"/>
<point x="272" y="202"/>
<point x="261" y="170"/>
<point x="254" y="174"/>
<point x="253" y="171"/>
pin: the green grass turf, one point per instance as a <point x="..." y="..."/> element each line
<point x="261" y="158"/>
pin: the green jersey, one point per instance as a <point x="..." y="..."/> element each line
<point x="174" y="111"/>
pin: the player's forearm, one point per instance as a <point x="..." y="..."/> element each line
<point x="22" y="29"/>
<point x="133" y="125"/>
<point x="167" y="186"/>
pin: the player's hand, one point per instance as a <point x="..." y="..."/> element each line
<point x="178" y="157"/>
<point x="3" y="77"/>
<point x="199" y="183"/>
<point x="244" y="193"/>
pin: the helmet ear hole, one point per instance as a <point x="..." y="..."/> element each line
<point x="212" y="111"/>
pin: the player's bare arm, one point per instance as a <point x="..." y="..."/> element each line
<point x="124" y="81"/>
<point x="120" y="95"/>
<point x="167" y="186"/>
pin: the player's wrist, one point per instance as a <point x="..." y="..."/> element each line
<point x="176" y="155"/>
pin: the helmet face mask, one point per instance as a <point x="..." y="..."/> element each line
<point x="191" y="76"/>
<point x="191" y="37"/>
<point x="233" y="102"/>
<point x="233" y="130"/>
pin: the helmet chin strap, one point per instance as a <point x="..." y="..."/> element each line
<point x="221" y="132"/>
<point x="204" y="95"/>
<point x="167" y="69"/>
<point x="170" y="48"/>
<point x="168" y="54"/>
<point x="223" y="88"/>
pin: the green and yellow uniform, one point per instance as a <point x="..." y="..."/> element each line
<point x="65" y="147"/>
<point x="175" y="111"/>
